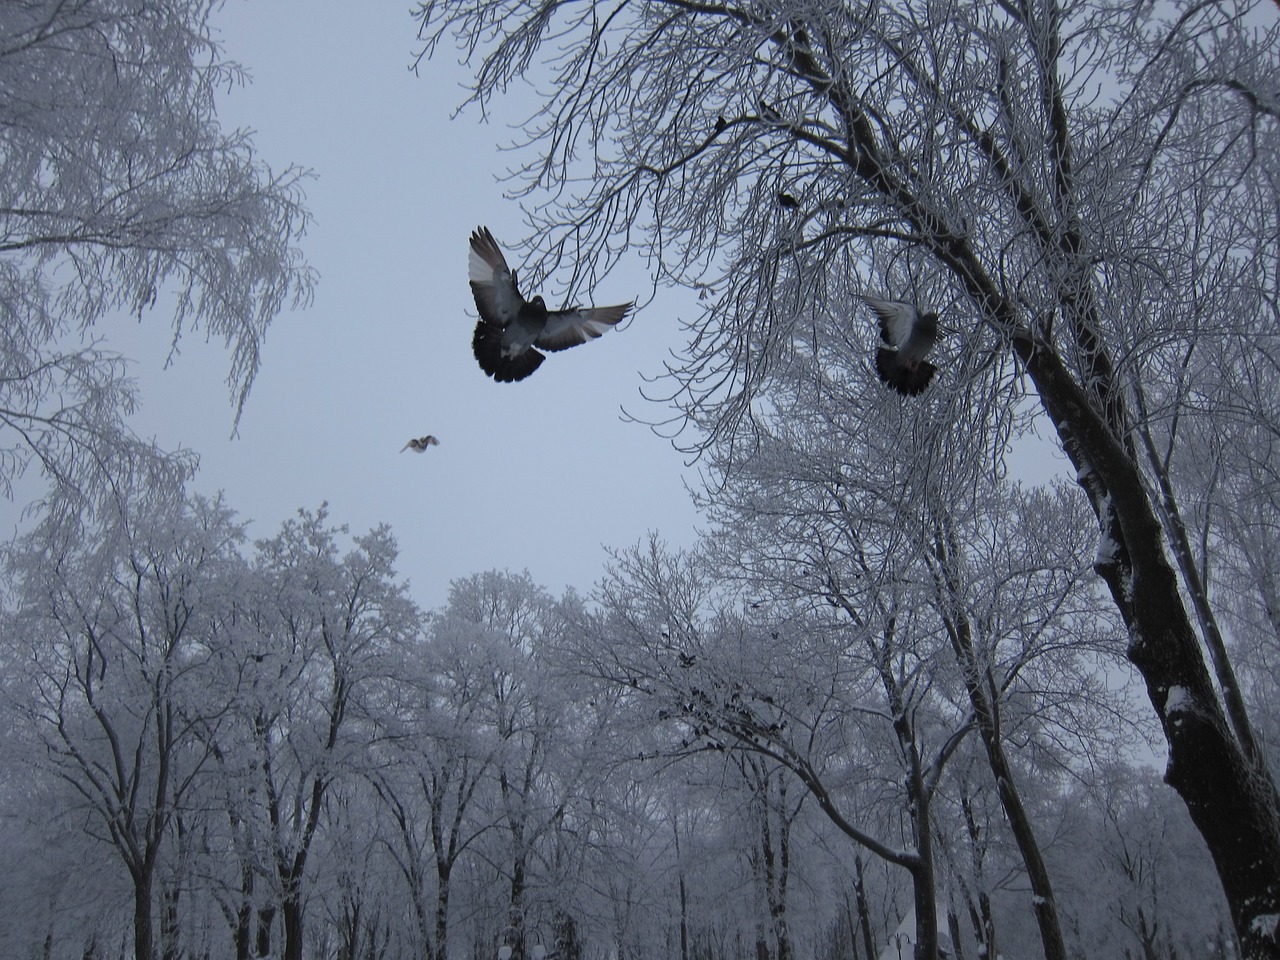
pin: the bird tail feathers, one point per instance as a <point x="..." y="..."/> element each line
<point x="907" y="381"/>
<point x="486" y="344"/>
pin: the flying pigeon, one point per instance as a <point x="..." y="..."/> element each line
<point x="910" y="335"/>
<point x="418" y="444"/>
<point x="511" y="326"/>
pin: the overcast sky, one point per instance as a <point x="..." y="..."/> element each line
<point x="538" y="475"/>
<point x="535" y="475"/>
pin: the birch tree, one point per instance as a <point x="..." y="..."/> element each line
<point x="120" y="192"/>
<point x="1086" y="192"/>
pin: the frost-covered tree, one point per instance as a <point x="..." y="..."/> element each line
<point x="119" y="191"/>
<point x="1085" y="191"/>
<point x="325" y="627"/>
<point x="111" y="674"/>
<point x="438" y="759"/>
<point x="850" y="701"/>
<point x="526" y="712"/>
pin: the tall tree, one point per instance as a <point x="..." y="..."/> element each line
<point x="439" y="759"/>
<point x="839" y="699"/>
<point x="526" y="715"/>
<point x="120" y="191"/>
<point x="1086" y="191"/>
<point x="325" y="624"/>
<point x="116" y="672"/>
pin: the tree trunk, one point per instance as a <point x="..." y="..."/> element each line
<point x="953" y="927"/>
<point x="922" y="880"/>
<point x="683" y="892"/>
<point x="291" y="913"/>
<point x="242" y="934"/>
<point x="864" y="911"/>
<point x="142" y="941"/>
<point x="986" y="711"/>
<point x="266" y="919"/>
<point x="1232" y="803"/>
<point x="515" y="910"/>
<point x="170" y="948"/>
<point x="438" y="949"/>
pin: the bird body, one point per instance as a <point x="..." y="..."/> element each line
<point x="419" y="444"/>
<point x="511" y="328"/>
<point x="909" y="335"/>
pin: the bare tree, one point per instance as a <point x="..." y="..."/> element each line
<point x="1087" y="192"/>
<point x="441" y="759"/>
<point x="116" y="673"/>
<point x="120" y="192"/>
<point x="325" y="624"/>
<point x="842" y="700"/>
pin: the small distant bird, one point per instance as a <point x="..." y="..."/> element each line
<point x="418" y="444"/>
<point x="910" y="335"/>
<point x="510" y="326"/>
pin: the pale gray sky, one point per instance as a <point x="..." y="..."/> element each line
<point x="533" y="475"/>
<point x="540" y="474"/>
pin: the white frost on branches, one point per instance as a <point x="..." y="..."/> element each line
<point x="120" y="192"/>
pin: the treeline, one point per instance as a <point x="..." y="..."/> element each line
<point x="222" y="749"/>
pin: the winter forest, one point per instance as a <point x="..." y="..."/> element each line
<point x="898" y="701"/>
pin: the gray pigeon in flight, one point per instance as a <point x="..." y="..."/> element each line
<point x="909" y="336"/>
<point x="418" y="444"/>
<point x="511" y="327"/>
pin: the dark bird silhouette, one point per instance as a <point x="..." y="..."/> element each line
<point x="418" y="444"/>
<point x="909" y="336"/>
<point x="511" y="327"/>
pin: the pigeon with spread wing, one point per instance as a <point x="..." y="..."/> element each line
<point x="909" y="335"/>
<point x="511" y="327"/>
<point x="419" y="444"/>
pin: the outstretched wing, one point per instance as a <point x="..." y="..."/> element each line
<point x="492" y="282"/>
<point x="896" y="319"/>
<point x="568" y="328"/>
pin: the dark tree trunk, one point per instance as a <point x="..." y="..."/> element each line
<point x="1232" y="802"/>
<point x="983" y="698"/>
<point x="291" y="914"/>
<point x="953" y="927"/>
<point x="266" y="919"/>
<point x="143" y="948"/>
<point x="515" y="910"/>
<point x="683" y="892"/>
<point x="170" y="949"/>
<point x="922" y="879"/>
<point x="443" y="873"/>
<point x="864" y="911"/>
<point x="243" y="933"/>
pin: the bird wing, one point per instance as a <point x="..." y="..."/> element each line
<point x="568" y="328"/>
<point x="897" y="319"/>
<point x="492" y="282"/>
